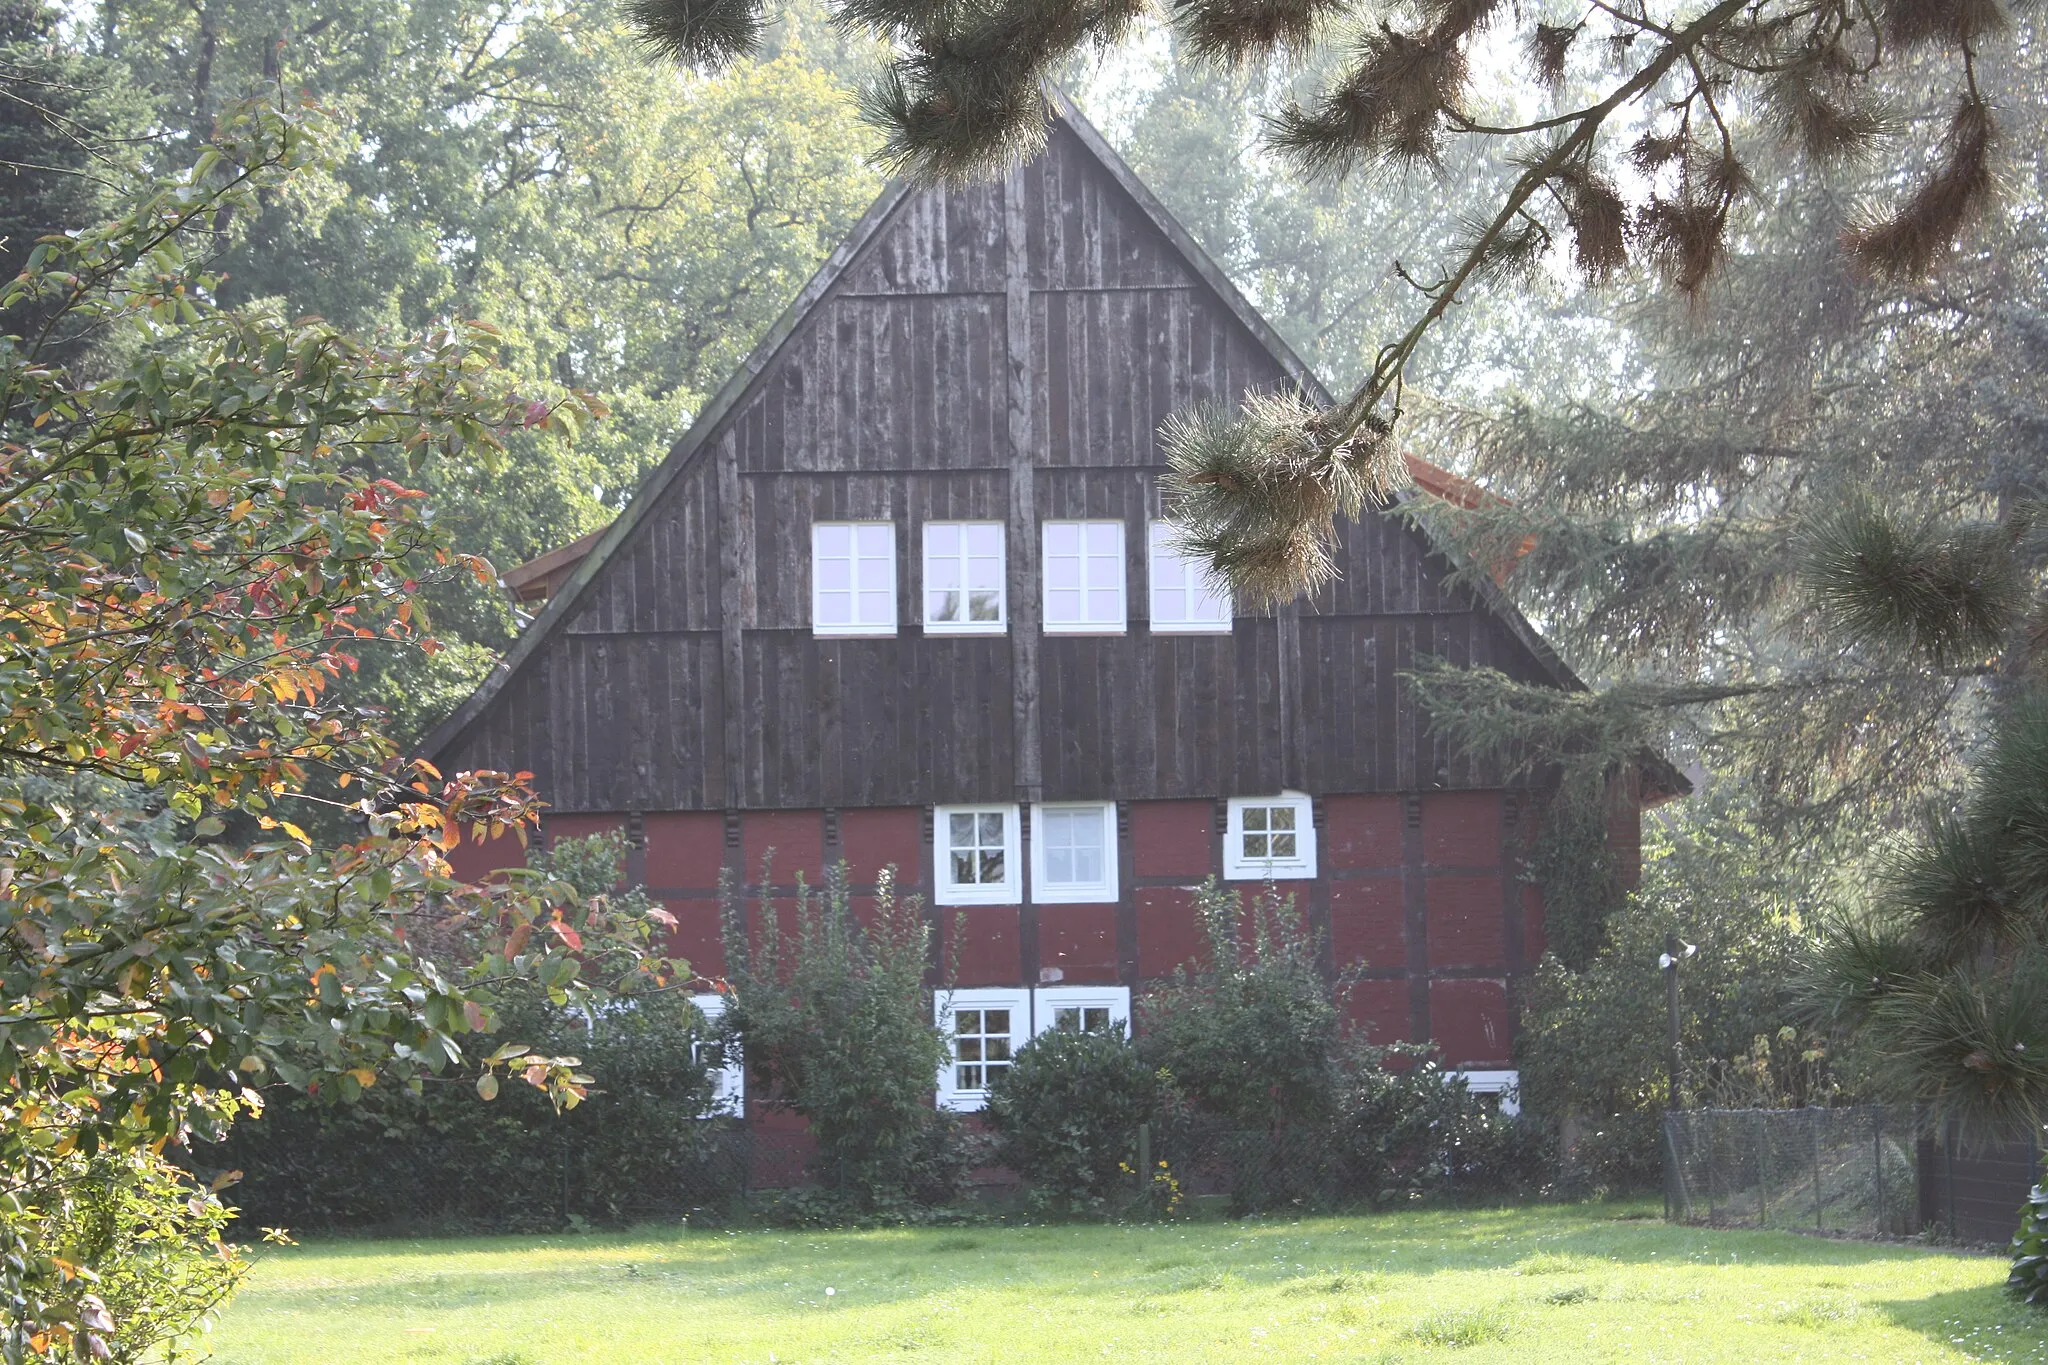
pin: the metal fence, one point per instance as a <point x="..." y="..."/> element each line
<point x="1851" y="1171"/>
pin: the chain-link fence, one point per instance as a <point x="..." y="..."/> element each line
<point x="1849" y="1170"/>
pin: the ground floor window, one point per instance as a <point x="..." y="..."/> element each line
<point x="1090" y="1009"/>
<point x="1506" y="1086"/>
<point x="984" y="1028"/>
<point x="729" y="1086"/>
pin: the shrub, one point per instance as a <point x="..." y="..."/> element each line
<point x="1066" y="1115"/>
<point x="1407" y="1129"/>
<point x="2029" y="1277"/>
<point x="1250" y="1036"/>
<point x="835" y="1022"/>
<point x="438" y="1154"/>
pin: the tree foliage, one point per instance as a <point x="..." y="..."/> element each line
<point x="195" y="540"/>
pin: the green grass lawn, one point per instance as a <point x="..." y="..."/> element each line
<point x="1582" y="1283"/>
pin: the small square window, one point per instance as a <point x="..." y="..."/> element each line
<point x="964" y="577"/>
<point x="1271" y="837"/>
<point x="853" y="578"/>
<point x="1073" y="853"/>
<point x="1187" y="599"/>
<point x="976" y="855"/>
<point x="1084" y="577"/>
<point x="984" y="1029"/>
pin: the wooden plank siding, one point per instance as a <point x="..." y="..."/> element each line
<point x="1002" y="352"/>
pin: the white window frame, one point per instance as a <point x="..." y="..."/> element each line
<point x="945" y="1006"/>
<point x="1102" y="891"/>
<point x="936" y="626"/>
<point x="858" y="586"/>
<point x="1190" y="582"/>
<point x="1301" y="867"/>
<point x="1506" y="1084"/>
<point x="1055" y="625"/>
<point x="729" y="1090"/>
<point x="1047" y="1001"/>
<point x="1010" y="891"/>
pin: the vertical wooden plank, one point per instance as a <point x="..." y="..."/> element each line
<point x="735" y="550"/>
<point x="1020" y="382"/>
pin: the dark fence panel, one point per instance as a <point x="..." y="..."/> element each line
<point x="1972" y="1189"/>
<point x="1849" y="1170"/>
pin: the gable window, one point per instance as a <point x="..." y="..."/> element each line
<point x="976" y="855"/>
<point x="1084" y="577"/>
<point x="1270" y="837"/>
<point x="729" y="1083"/>
<point x="963" y="577"/>
<point x="1087" y="1009"/>
<point x="1073" y="853"/>
<point x="984" y="1029"/>
<point x="853" y="578"/>
<point x="1187" y="599"/>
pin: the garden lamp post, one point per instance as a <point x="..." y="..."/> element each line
<point x="1674" y="952"/>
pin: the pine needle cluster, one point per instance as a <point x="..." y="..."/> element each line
<point x="1257" y="492"/>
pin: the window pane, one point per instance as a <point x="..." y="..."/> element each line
<point x="998" y="1049"/>
<point x="970" y="1049"/>
<point x="985" y="573"/>
<point x="1105" y="538"/>
<point x="1063" y="571"/>
<point x="985" y="606"/>
<point x="995" y="1021"/>
<point x="1282" y="817"/>
<point x="1254" y="817"/>
<point x="876" y="540"/>
<point x="832" y="540"/>
<point x="835" y="574"/>
<point x="985" y="538"/>
<point x="941" y="538"/>
<point x="1095" y="1019"/>
<point x="991" y="828"/>
<point x="1062" y="538"/>
<point x="1104" y="605"/>
<point x="992" y="869"/>
<point x="1063" y="605"/>
<point x="1255" y="846"/>
<point x="835" y="608"/>
<point x="1066" y="1017"/>
<point x="874" y="607"/>
<point x="1283" y="846"/>
<point x="963" y="868"/>
<point x="942" y="605"/>
<point x="960" y="830"/>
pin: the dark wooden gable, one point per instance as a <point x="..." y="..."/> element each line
<point x="1006" y="352"/>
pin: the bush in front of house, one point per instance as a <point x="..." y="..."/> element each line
<point x="637" y="1146"/>
<point x="833" y="1016"/>
<point x="1407" y="1130"/>
<point x="1252" y="1035"/>
<point x="1066" y="1114"/>
<point x="2029" y="1276"/>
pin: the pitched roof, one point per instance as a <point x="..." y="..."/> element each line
<point x="603" y="544"/>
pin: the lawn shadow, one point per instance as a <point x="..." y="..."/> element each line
<point x="1985" y="1323"/>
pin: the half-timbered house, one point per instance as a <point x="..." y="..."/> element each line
<point x="902" y="596"/>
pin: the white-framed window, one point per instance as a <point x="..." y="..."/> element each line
<point x="1083" y="567"/>
<point x="1092" y="1009"/>
<point x="1187" y="599"/>
<point x="984" y="1029"/>
<point x="1073" y="852"/>
<point x="1270" y="837"/>
<point x="963" y="577"/>
<point x="853" y="578"/>
<point x="975" y="848"/>
<point x="1507" y="1085"/>
<point x="729" y="1088"/>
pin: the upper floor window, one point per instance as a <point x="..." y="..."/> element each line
<point x="963" y="577"/>
<point x="1270" y="837"/>
<point x="1084" y="577"/>
<point x="1073" y="853"/>
<point x="1186" y="597"/>
<point x="853" y="578"/>
<point x="976" y="855"/>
